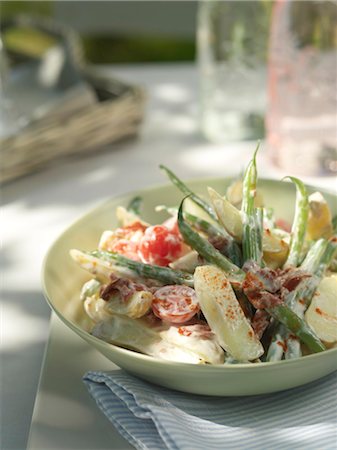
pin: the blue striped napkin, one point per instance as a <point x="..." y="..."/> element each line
<point x="154" y="418"/>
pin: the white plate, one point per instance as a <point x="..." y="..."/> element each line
<point x="65" y="416"/>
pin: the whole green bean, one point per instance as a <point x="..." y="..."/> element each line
<point x="207" y="251"/>
<point x="299" y="227"/>
<point x="164" y="274"/>
<point x="187" y="191"/>
<point x="233" y="251"/>
<point x="252" y="217"/>
<point x="249" y="186"/>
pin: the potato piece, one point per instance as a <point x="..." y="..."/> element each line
<point x="187" y="262"/>
<point x="198" y="339"/>
<point x="234" y="195"/>
<point x="275" y="249"/>
<point x="231" y="219"/>
<point x="319" y="220"/>
<point x="322" y="313"/>
<point x="95" y="308"/>
<point x="134" y="307"/>
<point x="90" y="288"/>
<point x="224" y="315"/>
<point x="229" y="216"/>
<point x="189" y="344"/>
<point x="275" y="260"/>
<point x="101" y="269"/>
<point x="274" y="244"/>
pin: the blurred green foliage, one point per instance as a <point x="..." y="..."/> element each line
<point x="122" y="49"/>
<point x="109" y="48"/>
<point x="9" y="9"/>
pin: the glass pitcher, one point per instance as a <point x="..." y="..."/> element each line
<point x="232" y="42"/>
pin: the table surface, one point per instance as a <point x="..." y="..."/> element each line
<point x="65" y="415"/>
<point x="37" y="208"/>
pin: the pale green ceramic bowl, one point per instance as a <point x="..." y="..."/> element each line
<point x="62" y="281"/>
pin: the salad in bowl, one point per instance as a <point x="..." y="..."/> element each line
<point x="220" y="281"/>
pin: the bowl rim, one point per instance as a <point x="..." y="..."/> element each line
<point x="147" y="358"/>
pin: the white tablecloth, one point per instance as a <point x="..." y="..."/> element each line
<point x="37" y="208"/>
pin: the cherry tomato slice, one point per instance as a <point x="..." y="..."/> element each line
<point x="126" y="248"/>
<point x="159" y="246"/>
<point x="125" y="240"/>
<point x="175" y="304"/>
<point x="129" y="231"/>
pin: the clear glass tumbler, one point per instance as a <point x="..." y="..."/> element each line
<point x="232" y="42"/>
<point x="302" y="81"/>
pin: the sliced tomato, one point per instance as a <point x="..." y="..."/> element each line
<point x="126" y="248"/>
<point x="127" y="232"/>
<point x="125" y="240"/>
<point x="159" y="246"/>
<point x="175" y="304"/>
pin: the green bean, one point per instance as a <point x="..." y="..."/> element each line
<point x="249" y="186"/>
<point x="333" y="264"/>
<point x="316" y="262"/>
<point x="203" y="225"/>
<point x="299" y="226"/>
<point x="293" y="348"/>
<point x="207" y="251"/>
<point x="334" y="224"/>
<point x="163" y="274"/>
<point x="308" y="287"/>
<point x="332" y="254"/>
<point x="297" y="326"/>
<point x="134" y="205"/>
<point x="277" y="345"/>
<point x="252" y="217"/>
<point x="269" y="218"/>
<point x="187" y="191"/>
<point x="314" y="255"/>
<point x="197" y="222"/>
<point x="233" y="251"/>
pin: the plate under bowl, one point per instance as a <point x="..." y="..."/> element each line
<point x="62" y="280"/>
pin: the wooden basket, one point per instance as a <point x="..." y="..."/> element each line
<point x="116" y="114"/>
<point x="86" y="130"/>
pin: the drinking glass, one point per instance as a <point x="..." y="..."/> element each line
<point x="232" y="38"/>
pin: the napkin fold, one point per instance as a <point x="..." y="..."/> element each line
<point x="151" y="417"/>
